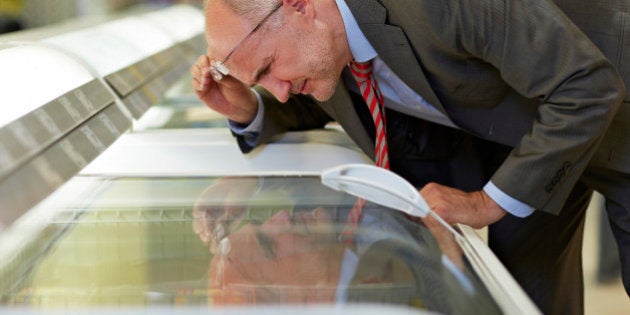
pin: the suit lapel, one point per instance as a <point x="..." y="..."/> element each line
<point x="349" y="118"/>
<point x="392" y="47"/>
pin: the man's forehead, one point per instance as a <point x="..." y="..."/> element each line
<point x="224" y="29"/>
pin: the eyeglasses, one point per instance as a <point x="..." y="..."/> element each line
<point x="218" y="68"/>
<point x="263" y="241"/>
<point x="223" y="227"/>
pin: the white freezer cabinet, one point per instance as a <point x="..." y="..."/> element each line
<point x="69" y="91"/>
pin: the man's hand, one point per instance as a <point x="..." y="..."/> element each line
<point x="220" y="207"/>
<point x="446" y="241"/>
<point x="474" y="209"/>
<point x="229" y="97"/>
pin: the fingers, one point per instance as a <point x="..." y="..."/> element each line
<point x="228" y="96"/>
<point x="211" y="225"/>
<point x="452" y="205"/>
<point x="219" y="208"/>
<point x="203" y="61"/>
<point x="200" y="73"/>
<point x="436" y="197"/>
<point x="202" y="225"/>
<point x="474" y="209"/>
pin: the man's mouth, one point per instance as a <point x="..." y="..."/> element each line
<point x="299" y="88"/>
<point x="303" y="89"/>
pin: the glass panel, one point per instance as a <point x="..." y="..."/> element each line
<point x="180" y="108"/>
<point x="216" y="242"/>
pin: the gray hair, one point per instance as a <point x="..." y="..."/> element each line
<point x="251" y="9"/>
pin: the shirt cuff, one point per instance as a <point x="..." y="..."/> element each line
<point x="250" y="132"/>
<point x="508" y="203"/>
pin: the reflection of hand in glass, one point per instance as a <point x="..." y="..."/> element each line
<point x="290" y="259"/>
<point x="446" y="241"/>
<point x="220" y="207"/>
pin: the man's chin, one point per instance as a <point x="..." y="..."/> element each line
<point x="320" y="99"/>
<point x="323" y="95"/>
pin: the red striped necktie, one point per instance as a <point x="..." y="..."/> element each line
<point x="368" y="86"/>
<point x="362" y="72"/>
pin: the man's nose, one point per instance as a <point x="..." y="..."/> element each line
<point x="279" y="221"/>
<point x="278" y="88"/>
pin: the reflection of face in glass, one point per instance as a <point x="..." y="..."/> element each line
<point x="284" y="259"/>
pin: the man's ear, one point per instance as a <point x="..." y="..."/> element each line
<point x="301" y="6"/>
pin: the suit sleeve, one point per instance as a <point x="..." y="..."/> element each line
<point x="542" y="55"/>
<point x="299" y="113"/>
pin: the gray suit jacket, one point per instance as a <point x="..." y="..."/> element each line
<point x="517" y="72"/>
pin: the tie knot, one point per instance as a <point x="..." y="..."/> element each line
<point x="361" y="70"/>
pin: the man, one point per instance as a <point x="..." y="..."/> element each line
<point x="518" y="73"/>
<point x="280" y="248"/>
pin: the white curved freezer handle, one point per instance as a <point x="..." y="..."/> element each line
<point x="382" y="187"/>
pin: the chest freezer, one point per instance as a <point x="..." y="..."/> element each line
<point x="145" y="226"/>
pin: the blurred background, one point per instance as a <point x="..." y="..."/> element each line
<point x="23" y="14"/>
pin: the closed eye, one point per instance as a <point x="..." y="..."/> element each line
<point x="263" y="70"/>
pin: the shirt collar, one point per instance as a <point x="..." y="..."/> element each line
<point x="360" y="47"/>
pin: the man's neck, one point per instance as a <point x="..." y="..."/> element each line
<point x="334" y="24"/>
<point x="360" y="48"/>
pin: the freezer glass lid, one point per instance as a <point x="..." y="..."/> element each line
<point x="138" y="243"/>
